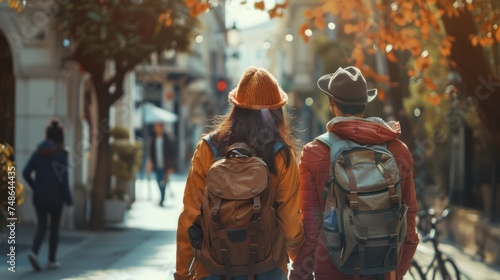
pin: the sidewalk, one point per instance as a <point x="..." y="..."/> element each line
<point x="144" y="246"/>
<point x="471" y="267"/>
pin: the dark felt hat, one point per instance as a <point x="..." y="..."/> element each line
<point x="347" y="86"/>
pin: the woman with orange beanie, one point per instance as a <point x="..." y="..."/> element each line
<point x="257" y="119"/>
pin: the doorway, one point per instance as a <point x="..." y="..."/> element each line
<point x="7" y="93"/>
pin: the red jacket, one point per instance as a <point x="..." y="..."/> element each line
<point x="314" y="171"/>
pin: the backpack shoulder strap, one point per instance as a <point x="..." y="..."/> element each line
<point x="326" y="138"/>
<point x="278" y="146"/>
<point x="214" y="149"/>
<point x="334" y="141"/>
<point x="207" y="138"/>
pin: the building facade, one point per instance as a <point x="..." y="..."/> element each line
<point x="37" y="84"/>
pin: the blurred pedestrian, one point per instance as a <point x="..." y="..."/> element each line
<point x="162" y="158"/>
<point x="348" y="98"/>
<point x="49" y="163"/>
<point x="258" y="120"/>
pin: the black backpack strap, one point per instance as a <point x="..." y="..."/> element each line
<point x="208" y="138"/>
<point x="236" y="150"/>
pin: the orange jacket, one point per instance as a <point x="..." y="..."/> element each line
<point x="314" y="172"/>
<point x="287" y="199"/>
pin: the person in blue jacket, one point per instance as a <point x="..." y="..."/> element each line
<point x="50" y="186"/>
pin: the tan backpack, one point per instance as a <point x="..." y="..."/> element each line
<point x="364" y="220"/>
<point x="241" y="233"/>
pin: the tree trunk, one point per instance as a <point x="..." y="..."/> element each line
<point x="479" y="82"/>
<point x="102" y="174"/>
<point x="399" y="78"/>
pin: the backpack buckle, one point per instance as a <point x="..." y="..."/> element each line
<point x="353" y="200"/>
<point x="256" y="208"/>
<point x="214" y="211"/>
<point x="253" y="248"/>
<point x="224" y="253"/>
<point x="256" y="216"/>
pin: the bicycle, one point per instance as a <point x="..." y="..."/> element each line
<point x="442" y="267"/>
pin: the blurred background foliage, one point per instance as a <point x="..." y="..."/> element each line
<point x="126" y="160"/>
<point x="6" y="182"/>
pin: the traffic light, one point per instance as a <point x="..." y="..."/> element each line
<point x="221" y="85"/>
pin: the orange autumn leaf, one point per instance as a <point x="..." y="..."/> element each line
<point x="392" y="57"/>
<point x="331" y="7"/>
<point x="450" y="11"/>
<point x="302" y="31"/>
<point x="198" y="8"/>
<point x="346" y="14"/>
<point x="411" y="73"/>
<point x="433" y="99"/>
<point x="422" y="63"/>
<point x="272" y="13"/>
<point x="407" y="7"/>
<point x="486" y="41"/>
<point x="320" y="23"/>
<point x="382" y="78"/>
<point x="368" y="72"/>
<point x="162" y="16"/>
<point x="371" y="51"/>
<point x="399" y="20"/>
<point x="318" y="12"/>
<point x="349" y="28"/>
<point x="381" y="95"/>
<point x="308" y="14"/>
<point x="444" y="50"/>
<point x="283" y="5"/>
<point x="425" y="31"/>
<point x="259" y="5"/>
<point x="358" y="56"/>
<point x="440" y="13"/>
<point x="414" y="46"/>
<point x="430" y="84"/>
<point x="474" y="40"/>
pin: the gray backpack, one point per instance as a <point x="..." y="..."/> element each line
<point x="364" y="221"/>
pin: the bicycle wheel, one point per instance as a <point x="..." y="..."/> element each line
<point x="450" y="271"/>
<point x="415" y="272"/>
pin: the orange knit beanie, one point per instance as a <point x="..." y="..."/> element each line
<point x="258" y="89"/>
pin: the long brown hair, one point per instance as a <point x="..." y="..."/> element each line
<point x="260" y="129"/>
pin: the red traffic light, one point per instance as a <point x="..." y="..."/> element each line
<point x="221" y="85"/>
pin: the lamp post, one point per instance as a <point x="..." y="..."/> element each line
<point x="233" y="37"/>
<point x="231" y="60"/>
<point x="233" y="42"/>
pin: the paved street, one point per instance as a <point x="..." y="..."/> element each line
<point x="144" y="246"/>
<point x="141" y="248"/>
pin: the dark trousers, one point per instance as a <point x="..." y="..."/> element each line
<point x="162" y="183"/>
<point x="42" y="213"/>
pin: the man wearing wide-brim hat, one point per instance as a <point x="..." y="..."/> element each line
<point x="348" y="97"/>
